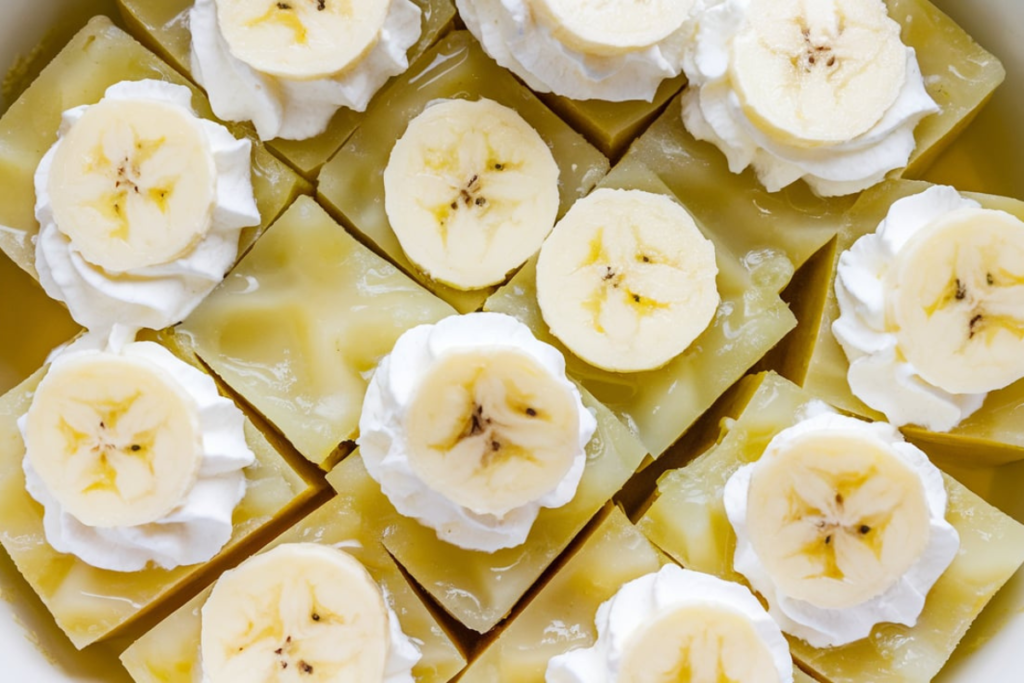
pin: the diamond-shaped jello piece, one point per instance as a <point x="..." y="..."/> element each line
<point x="352" y="182"/>
<point x="687" y="520"/>
<point x="659" y="405"/>
<point x="297" y="328"/>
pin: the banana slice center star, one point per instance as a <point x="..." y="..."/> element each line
<point x="116" y="441"/>
<point x="698" y="644"/>
<point x="836" y="518"/>
<point x="492" y="430"/>
<point x="133" y="184"/>
<point x="958" y="301"/>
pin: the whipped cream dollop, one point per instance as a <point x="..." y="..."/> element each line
<point x="642" y="600"/>
<point x="713" y="112"/>
<point x="879" y="374"/>
<point x="512" y="35"/>
<point x="903" y="601"/>
<point x="295" y="109"/>
<point x="200" y="526"/>
<point x="154" y="296"/>
<point x="384" y="434"/>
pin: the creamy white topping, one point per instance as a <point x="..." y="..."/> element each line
<point x="643" y="599"/>
<point x="200" y="526"/>
<point x="155" y="296"/>
<point x="903" y="601"/>
<point x="403" y="654"/>
<point x="712" y="112"/>
<point x="295" y="109"/>
<point x="383" y="430"/>
<point x="515" y="39"/>
<point x="878" y="373"/>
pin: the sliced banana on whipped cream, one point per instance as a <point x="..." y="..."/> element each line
<point x="613" y="50"/>
<point x="932" y="309"/>
<point x="626" y="280"/>
<point x="679" y="625"/>
<point x="471" y="191"/>
<point x="140" y="204"/>
<point x="135" y="457"/>
<point x="470" y="426"/>
<point x="822" y="90"/>
<point x="840" y="526"/>
<point x="302" y="612"/>
<point x="289" y="66"/>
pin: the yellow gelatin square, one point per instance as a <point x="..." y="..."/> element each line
<point x="561" y="616"/>
<point x="479" y="589"/>
<point x="993" y="435"/>
<point x="163" y="26"/>
<point x="91" y="604"/>
<point x="687" y="520"/>
<point x="611" y="126"/>
<point x="352" y="183"/>
<point x="297" y="328"/>
<point x="170" y="652"/>
<point x="99" y="56"/>
<point x="660" y="405"/>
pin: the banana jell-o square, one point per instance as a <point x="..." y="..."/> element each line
<point x="91" y="604"/>
<point x="99" y="56"/>
<point x="992" y="435"/>
<point x="298" y="327"/>
<point x="163" y="26"/>
<point x="479" y="588"/>
<point x="352" y="183"/>
<point x="171" y="651"/>
<point x="660" y="405"/>
<point x="687" y="519"/>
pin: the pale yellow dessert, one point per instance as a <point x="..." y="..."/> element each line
<point x="98" y="57"/>
<point x="351" y="184"/>
<point x="299" y="325"/>
<point x="816" y="361"/>
<point x="170" y="652"/>
<point x="163" y="26"/>
<point x="91" y="604"/>
<point x="687" y="519"/>
<point x="660" y="404"/>
<point x="479" y="588"/>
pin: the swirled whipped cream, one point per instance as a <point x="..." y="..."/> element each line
<point x="714" y="111"/>
<point x="642" y="610"/>
<point x="295" y="109"/>
<point x="200" y="525"/>
<point x="516" y="38"/>
<point x="879" y="373"/>
<point x="865" y="501"/>
<point x="455" y="420"/>
<point x="159" y="295"/>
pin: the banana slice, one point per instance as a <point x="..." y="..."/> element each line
<point x="626" y="280"/>
<point x="957" y="299"/>
<point x="471" y="191"/>
<point x="116" y="440"/>
<point x="835" y="517"/>
<point x="699" y="643"/>
<point x="300" y="612"/>
<point x="611" y="27"/>
<point x="301" y="39"/>
<point x="492" y="430"/>
<point x="133" y="184"/>
<point x="817" y="72"/>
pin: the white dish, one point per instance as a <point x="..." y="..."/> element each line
<point x="991" y="652"/>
